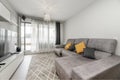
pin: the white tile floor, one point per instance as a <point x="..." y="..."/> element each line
<point x="21" y="72"/>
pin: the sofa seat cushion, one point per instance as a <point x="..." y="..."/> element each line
<point x="103" y="69"/>
<point x="67" y="53"/>
<point x="65" y="65"/>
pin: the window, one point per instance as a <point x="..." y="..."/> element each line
<point x="26" y="32"/>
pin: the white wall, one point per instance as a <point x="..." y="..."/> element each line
<point x="101" y="19"/>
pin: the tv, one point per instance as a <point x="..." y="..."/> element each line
<point x="7" y="43"/>
<point x="12" y="41"/>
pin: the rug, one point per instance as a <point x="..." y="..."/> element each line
<point x="42" y="67"/>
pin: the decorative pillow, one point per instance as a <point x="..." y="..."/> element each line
<point x="72" y="47"/>
<point x="89" y="53"/>
<point x="80" y="47"/>
<point x="67" y="46"/>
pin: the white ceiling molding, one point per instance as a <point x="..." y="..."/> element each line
<point x="60" y="10"/>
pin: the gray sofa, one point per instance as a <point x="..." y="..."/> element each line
<point x="72" y="66"/>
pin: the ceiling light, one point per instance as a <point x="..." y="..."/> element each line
<point x="47" y="17"/>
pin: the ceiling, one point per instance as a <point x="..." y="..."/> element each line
<point x="60" y="10"/>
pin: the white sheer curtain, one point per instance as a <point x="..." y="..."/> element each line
<point x="43" y="36"/>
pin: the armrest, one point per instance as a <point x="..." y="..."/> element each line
<point x="59" y="46"/>
<point x="107" y="68"/>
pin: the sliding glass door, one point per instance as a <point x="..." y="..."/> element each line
<point x="37" y="36"/>
<point x="26" y="32"/>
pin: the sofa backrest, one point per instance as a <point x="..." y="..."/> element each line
<point x="106" y="45"/>
<point x="85" y="40"/>
<point x="76" y="41"/>
<point x="70" y="40"/>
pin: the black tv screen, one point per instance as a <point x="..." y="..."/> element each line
<point x="2" y="42"/>
<point x="2" y="46"/>
<point x="11" y="41"/>
<point x="8" y="40"/>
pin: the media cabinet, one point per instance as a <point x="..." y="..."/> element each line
<point x="11" y="64"/>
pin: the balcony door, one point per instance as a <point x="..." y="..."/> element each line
<point x="26" y="32"/>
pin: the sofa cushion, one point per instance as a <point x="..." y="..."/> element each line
<point x="68" y="45"/>
<point x="80" y="47"/>
<point x="103" y="69"/>
<point x="89" y="53"/>
<point x="106" y="45"/>
<point x="67" y="53"/>
<point x="100" y="54"/>
<point x="85" y="40"/>
<point x="72" y="47"/>
<point x="65" y="65"/>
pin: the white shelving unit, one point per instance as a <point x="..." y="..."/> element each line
<point x="11" y="64"/>
<point x="7" y="16"/>
<point x="4" y="13"/>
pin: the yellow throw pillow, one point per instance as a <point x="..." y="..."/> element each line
<point x="80" y="47"/>
<point x="67" y="46"/>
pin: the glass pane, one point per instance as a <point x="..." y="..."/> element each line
<point x="28" y="34"/>
<point x="22" y="36"/>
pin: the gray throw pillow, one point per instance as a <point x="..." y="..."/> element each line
<point x="89" y="53"/>
<point x="72" y="47"/>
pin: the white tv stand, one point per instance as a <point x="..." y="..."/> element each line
<point x="11" y="64"/>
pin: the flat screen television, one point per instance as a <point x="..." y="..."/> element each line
<point x="7" y="43"/>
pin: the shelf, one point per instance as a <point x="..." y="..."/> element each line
<point x="4" y="13"/>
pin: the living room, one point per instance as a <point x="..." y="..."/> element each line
<point x="59" y="40"/>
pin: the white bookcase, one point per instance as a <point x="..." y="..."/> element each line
<point x="12" y="63"/>
<point x="7" y="16"/>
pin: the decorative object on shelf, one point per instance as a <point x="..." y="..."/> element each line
<point x="2" y="63"/>
<point x="18" y="49"/>
<point x="23" y="17"/>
